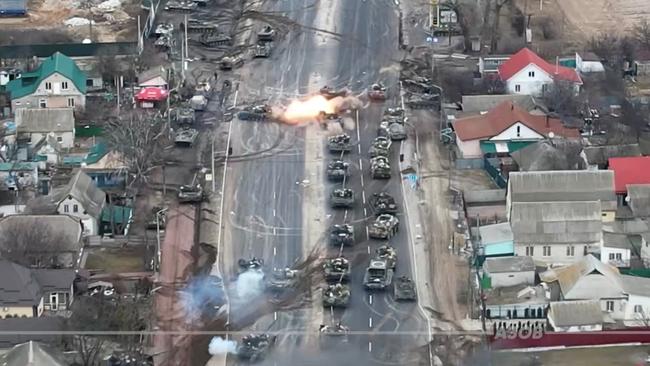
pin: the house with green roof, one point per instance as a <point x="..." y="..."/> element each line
<point x="56" y="83"/>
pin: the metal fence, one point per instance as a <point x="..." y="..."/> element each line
<point x="469" y="163"/>
<point x="495" y="173"/>
<point x="69" y="49"/>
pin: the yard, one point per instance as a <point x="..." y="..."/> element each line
<point x="118" y="259"/>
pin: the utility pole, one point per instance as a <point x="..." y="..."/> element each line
<point x="187" y="54"/>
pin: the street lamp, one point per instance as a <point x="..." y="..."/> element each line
<point x="157" y="264"/>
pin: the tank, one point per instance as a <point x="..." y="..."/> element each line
<point x="380" y="167"/>
<point x="342" y="198"/>
<point x="378" y="276"/>
<point x="418" y="84"/>
<point x="199" y="102"/>
<point x="422" y="101"/>
<point x="380" y="147"/>
<point x="281" y="279"/>
<point x="181" y="6"/>
<point x="336" y="295"/>
<point x="199" y="26"/>
<point x="336" y="269"/>
<point x="185" y="116"/>
<point x="230" y="62"/>
<point x="262" y="50"/>
<point x="339" y="143"/>
<point x="190" y="194"/>
<point x="163" y="29"/>
<point x="338" y="170"/>
<point x="396" y="131"/>
<point x="267" y="34"/>
<point x="255" y="113"/>
<point x="331" y="93"/>
<point x="163" y="42"/>
<point x="185" y="137"/>
<point x="394" y="112"/>
<point x="333" y="334"/>
<point x="341" y="235"/>
<point x="254" y="264"/>
<point x="383" y="203"/>
<point x="388" y="254"/>
<point x="215" y="39"/>
<point x="385" y="226"/>
<point x="404" y="289"/>
<point x="254" y="347"/>
<point x="377" y="92"/>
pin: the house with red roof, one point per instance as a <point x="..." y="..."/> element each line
<point x="527" y="73"/>
<point x="504" y="129"/>
<point x="629" y="171"/>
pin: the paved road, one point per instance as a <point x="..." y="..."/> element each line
<point x="264" y="194"/>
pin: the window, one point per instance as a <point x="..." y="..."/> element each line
<point x="547" y="251"/>
<point x="89" y="82"/>
<point x="75" y="208"/>
<point x="531" y="74"/>
<point x="518" y="131"/>
<point x="66" y="208"/>
<point x="517" y="88"/>
<point x="48" y="86"/>
<point x="586" y="251"/>
<point x="64" y="85"/>
<point x="530" y="251"/>
<point x="59" y="138"/>
<point x="71" y="102"/>
<point x="611" y="256"/>
<point x="638" y="309"/>
<point x="42" y="103"/>
<point x="609" y="305"/>
<point x="619" y="256"/>
<point x="570" y="251"/>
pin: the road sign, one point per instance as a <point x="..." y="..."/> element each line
<point x="208" y="177"/>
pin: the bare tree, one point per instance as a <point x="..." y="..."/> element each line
<point x="641" y="33"/>
<point x="605" y="45"/>
<point x="498" y="6"/>
<point x="140" y="138"/>
<point x="34" y="244"/>
<point x="562" y="97"/>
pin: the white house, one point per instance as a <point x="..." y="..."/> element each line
<point x="575" y="316"/>
<point x="527" y="73"/>
<point x="617" y="248"/>
<point x="589" y="62"/>
<point x="82" y="199"/>
<point x="637" y="311"/>
<point x="36" y="124"/>
<point x="516" y="302"/>
<point x="504" y="124"/>
<point x="509" y="271"/>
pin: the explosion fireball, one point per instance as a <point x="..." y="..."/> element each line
<point x="307" y="110"/>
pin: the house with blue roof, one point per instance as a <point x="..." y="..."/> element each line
<point x="56" y="83"/>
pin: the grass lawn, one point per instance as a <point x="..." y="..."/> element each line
<point x="116" y="260"/>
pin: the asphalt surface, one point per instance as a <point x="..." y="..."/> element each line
<point x="264" y="199"/>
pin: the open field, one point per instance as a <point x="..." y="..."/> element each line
<point x="591" y="17"/>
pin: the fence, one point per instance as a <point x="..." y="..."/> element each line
<point x="69" y="49"/>
<point x="495" y="173"/>
<point x="469" y="163"/>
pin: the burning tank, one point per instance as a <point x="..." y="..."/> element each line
<point x="339" y="143"/>
<point x="377" y="92"/>
<point x="404" y="289"/>
<point x="337" y="295"/>
<point x="254" y="347"/>
<point x="388" y="254"/>
<point x="341" y="235"/>
<point x="331" y="93"/>
<point x="380" y="147"/>
<point x="383" y="203"/>
<point x="384" y="227"/>
<point x="380" y="168"/>
<point x="336" y="269"/>
<point x="378" y="275"/>
<point x="255" y="113"/>
<point x="250" y="264"/>
<point x="342" y="198"/>
<point x="338" y="170"/>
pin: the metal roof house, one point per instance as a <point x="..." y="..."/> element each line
<point x="13" y="8"/>
<point x="509" y="271"/>
<point x="575" y="316"/>
<point x="495" y="241"/>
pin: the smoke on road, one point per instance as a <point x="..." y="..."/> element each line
<point x="220" y="346"/>
<point x="202" y="294"/>
<point x="249" y="285"/>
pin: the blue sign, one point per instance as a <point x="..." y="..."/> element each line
<point x="413" y="179"/>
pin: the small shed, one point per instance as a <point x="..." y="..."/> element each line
<point x="495" y="241"/>
<point x="509" y="271"/>
<point x="154" y="77"/>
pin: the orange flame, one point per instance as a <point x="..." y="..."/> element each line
<point x="307" y="110"/>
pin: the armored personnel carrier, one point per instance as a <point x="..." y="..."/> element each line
<point x="338" y="170"/>
<point x="404" y="289"/>
<point x="384" y="227"/>
<point x="267" y="34"/>
<point x="377" y="92"/>
<point x="342" y="198"/>
<point x="281" y="279"/>
<point x="190" y="194"/>
<point x="255" y="113"/>
<point x="215" y="39"/>
<point x="380" y="147"/>
<point x="254" y="347"/>
<point x="254" y="264"/>
<point x="262" y="50"/>
<point x="423" y="101"/>
<point x="383" y="203"/>
<point x="336" y="269"/>
<point x="378" y="276"/>
<point x="185" y="137"/>
<point x="337" y="295"/>
<point x="388" y="254"/>
<point x="339" y="143"/>
<point x="331" y="93"/>
<point x="380" y="167"/>
<point x="185" y="116"/>
<point x="199" y="26"/>
<point x="341" y="235"/>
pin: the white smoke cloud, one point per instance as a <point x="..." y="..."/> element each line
<point x="219" y="346"/>
<point x="250" y="284"/>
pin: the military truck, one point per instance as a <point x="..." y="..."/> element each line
<point x="215" y="39"/>
<point x="422" y="101"/>
<point x="339" y="143"/>
<point x="378" y="275"/>
<point x="342" y="198"/>
<point x="267" y="34"/>
<point x="341" y="235"/>
<point x="185" y="116"/>
<point x="254" y="264"/>
<point x="190" y="194"/>
<point x="383" y="203"/>
<point x="385" y="226"/>
<point x="255" y="113"/>
<point x="377" y="92"/>
<point x="380" y="147"/>
<point x="262" y="50"/>
<point x="338" y="170"/>
<point x="336" y="269"/>
<point x="380" y="168"/>
<point x="282" y="279"/>
<point x="336" y="295"/>
<point x="330" y="93"/>
<point x="254" y="347"/>
<point x="404" y="289"/>
<point x="185" y="137"/>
